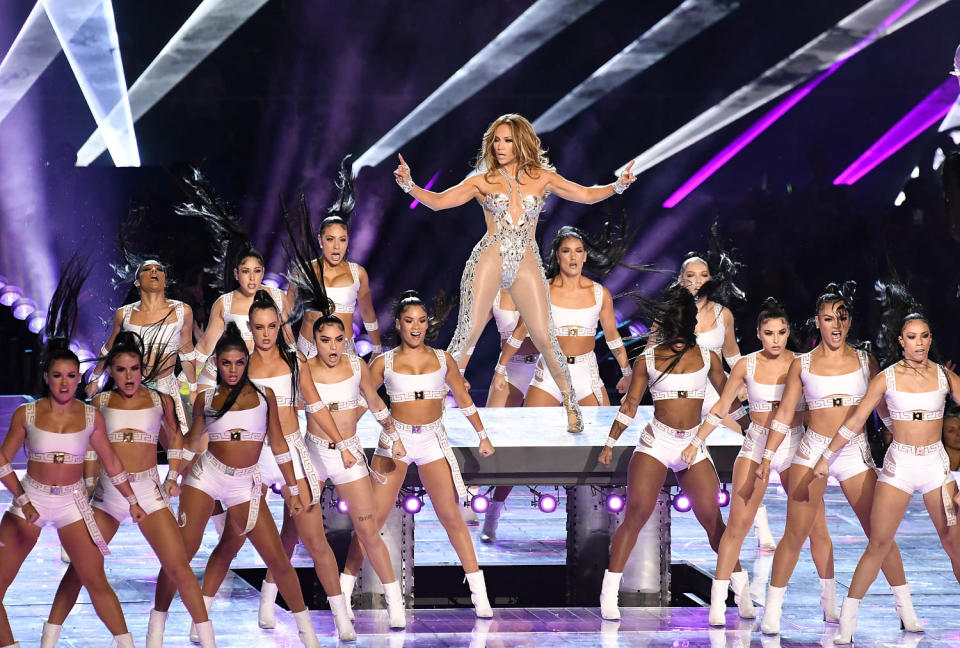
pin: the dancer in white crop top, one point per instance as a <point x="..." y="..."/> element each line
<point x="55" y="431"/>
<point x="344" y="384"/>
<point x="512" y="181"/>
<point x="417" y="378"/>
<point x="677" y="372"/>
<point x="832" y="380"/>
<point x="915" y="389"/>
<point x="237" y="417"/>
<point x="764" y="375"/>
<point x="523" y="364"/>
<point x="136" y="417"/>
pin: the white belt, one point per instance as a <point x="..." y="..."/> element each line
<point x="530" y="358"/>
<point x="78" y="491"/>
<point x="235" y="435"/>
<point x="575" y="331"/>
<point x="436" y="427"/>
<point x="917" y="415"/>
<point x="132" y="436"/>
<point x="666" y="429"/>
<point x="668" y="395"/>
<point x="920" y="451"/>
<point x="839" y="401"/>
<point x="423" y="394"/>
<point x="343" y="405"/>
<point x="56" y="458"/>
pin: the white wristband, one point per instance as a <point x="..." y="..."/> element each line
<point x="782" y="428"/>
<point x="372" y="326"/>
<point x="697" y="442"/>
<point x="469" y="411"/>
<point x="616" y="343"/>
<point x="188" y="455"/>
<point x="513" y="342"/>
<point x="5" y="469"/>
<point x="610" y="442"/>
<point x="294" y="489"/>
<point x="283" y="457"/>
<point x="131" y="499"/>
<point x="312" y="408"/>
<point x="481" y="434"/>
<point x="626" y="371"/>
<point x="173" y="476"/>
<point x="768" y="454"/>
<point x="500" y="369"/>
<point x="887" y="422"/>
<point x="21" y="500"/>
<point x="382" y="415"/>
<point x="174" y="453"/>
<point x="89" y="482"/>
<point x="119" y="478"/>
<point x="90" y="455"/>
<point x="846" y="432"/>
<point x="827" y="454"/>
<point x="376" y="349"/>
<point x="713" y="419"/>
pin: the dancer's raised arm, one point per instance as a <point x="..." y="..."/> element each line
<point x="452" y="197"/>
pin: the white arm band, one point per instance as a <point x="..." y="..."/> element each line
<point x="610" y="442"/>
<point x="312" y="408"/>
<point x="90" y="455"/>
<point x="739" y="413"/>
<point x="372" y="326"/>
<point x="469" y="411"/>
<point x="623" y="418"/>
<point x="481" y="434"/>
<point x="713" y="419"/>
<point x="376" y="349"/>
<point x="119" y="478"/>
<point x="846" y="432"/>
<point x="293" y="489"/>
<point x="173" y="476"/>
<point x="21" y="500"/>
<point x="616" y="343"/>
<point x="782" y="428"/>
<point x="887" y="422"/>
<point x="188" y="455"/>
<point x="89" y="482"/>
<point x="500" y="369"/>
<point x="131" y="499"/>
<point x="175" y="453"/>
<point x="732" y="360"/>
<point x="828" y="454"/>
<point x="513" y="342"/>
<point x="768" y="454"/>
<point x="283" y="457"/>
<point x="200" y="358"/>
<point x="5" y="469"/>
<point x="382" y="415"/>
<point x="697" y="442"/>
<point x="186" y="357"/>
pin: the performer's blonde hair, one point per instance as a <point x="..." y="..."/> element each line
<point x="531" y="156"/>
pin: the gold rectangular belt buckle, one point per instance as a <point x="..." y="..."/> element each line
<point x="571" y="360"/>
<point x="838" y="402"/>
<point x="681" y="394"/>
<point x="333" y="407"/>
<point x="58" y="457"/>
<point x="573" y="330"/>
<point x="56" y="490"/>
<point x="918" y="416"/>
<point x="235" y="435"/>
<point x="128" y="437"/>
<point x="418" y="395"/>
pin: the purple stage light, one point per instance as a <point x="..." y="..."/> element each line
<point x="778" y="111"/>
<point x="276" y="488"/>
<point x="412" y="504"/>
<point x="10" y="294"/>
<point x="3" y="282"/>
<point x="356" y="330"/>
<point x="23" y="307"/>
<point x="637" y="329"/>
<point x="363" y="347"/>
<point x="36" y="321"/>
<point x="274" y="280"/>
<point x="682" y="502"/>
<point x="615" y="502"/>
<point x="426" y="186"/>
<point x="926" y="113"/>
<point x="723" y="496"/>
<point x="547" y="503"/>
<point x="479" y="503"/>
<point x="74" y="346"/>
<point x="342" y="506"/>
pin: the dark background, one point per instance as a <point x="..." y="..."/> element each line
<point x="274" y="108"/>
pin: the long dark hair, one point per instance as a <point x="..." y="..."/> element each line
<point x="898" y="308"/>
<point x="341" y="210"/>
<point x="263" y="301"/>
<point x="723" y="270"/>
<point x="62" y="319"/>
<point x="127" y="271"/>
<point x="604" y="254"/>
<point x="306" y="274"/>
<point x="232" y="340"/>
<point x="842" y="293"/>
<point x="436" y="315"/>
<point x="675" y="318"/>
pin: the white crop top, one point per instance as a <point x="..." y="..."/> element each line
<point x="133" y="425"/>
<point x="408" y="387"/>
<point x="713" y="339"/>
<point x="345" y="394"/>
<point x="763" y="397"/>
<point x="916" y="406"/>
<point x="56" y="447"/>
<point x="163" y="337"/>
<point x="241" y="319"/>
<point x="677" y="385"/>
<point x="237" y="425"/>
<point x="578" y="321"/>
<point x="344" y="298"/>
<point x="506" y="319"/>
<point x="282" y="387"/>
<point x="834" y="391"/>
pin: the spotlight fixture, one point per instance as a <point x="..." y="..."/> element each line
<point x="479" y="503"/>
<point x="681" y="502"/>
<point x="274" y="280"/>
<point x="341" y="505"/>
<point x="10" y="294"/>
<point x="412" y="501"/>
<point x="276" y="488"/>
<point x="615" y="502"/>
<point x="36" y="321"/>
<point x="546" y="502"/>
<point x="364" y="347"/>
<point x="723" y="496"/>
<point x="23" y="307"/>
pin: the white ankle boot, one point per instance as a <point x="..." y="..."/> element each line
<point x="396" y="610"/>
<point x="772" y="609"/>
<point x="347" y="583"/>
<point x="848" y="620"/>
<point x="207" y="603"/>
<point x="266" y="617"/>
<point x="50" y="636"/>
<point x="828" y="600"/>
<point x="155" y="628"/>
<point x="344" y="627"/>
<point x="491" y="519"/>
<point x="761" y="529"/>
<point x="205" y="630"/>
<point x="308" y="636"/>
<point x="908" y="616"/>
<point x="124" y="640"/>
<point x="478" y="594"/>
<point x="740" y="581"/>
<point x="610" y="594"/>
<point x="718" y="603"/>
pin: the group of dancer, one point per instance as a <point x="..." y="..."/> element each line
<point x="92" y="465"/>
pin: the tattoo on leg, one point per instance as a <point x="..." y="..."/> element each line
<point x="364" y="518"/>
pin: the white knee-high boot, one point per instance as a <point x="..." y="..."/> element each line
<point x="718" y="602"/>
<point x="478" y="594"/>
<point x="772" y="609"/>
<point x="266" y="617"/>
<point x="908" y="616"/>
<point x="491" y="520"/>
<point x="396" y="610"/>
<point x="848" y="620"/>
<point x="347" y="583"/>
<point x="155" y="628"/>
<point x="124" y="640"/>
<point x="205" y="631"/>
<point x="344" y="627"/>
<point x="740" y="582"/>
<point x="828" y="600"/>
<point x="761" y="529"/>
<point x="207" y="603"/>
<point x="308" y="636"/>
<point x="50" y="636"/>
<point x="610" y="595"/>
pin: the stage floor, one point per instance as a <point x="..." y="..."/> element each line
<point x="526" y="537"/>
